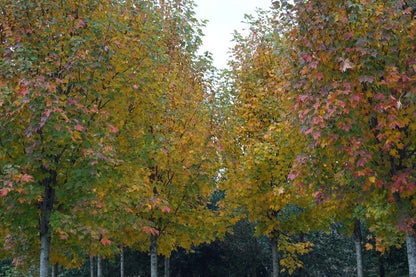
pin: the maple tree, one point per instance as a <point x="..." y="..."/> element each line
<point x="168" y="168"/>
<point x="50" y="125"/>
<point x="261" y="145"/>
<point x="63" y="64"/>
<point x="353" y="78"/>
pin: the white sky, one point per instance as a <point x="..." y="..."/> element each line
<point x="224" y="17"/>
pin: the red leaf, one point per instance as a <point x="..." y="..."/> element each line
<point x="380" y="96"/>
<point x="23" y="92"/>
<point x="4" y="191"/>
<point x="166" y="209"/>
<point x="47" y="113"/>
<point x="292" y="176"/>
<point x="303" y="97"/>
<point x="307" y="57"/>
<point x="319" y="75"/>
<point x="81" y="24"/>
<point x="355" y="98"/>
<point x="151" y="230"/>
<point x="361" y="162"/>
<point x="309" y="131"/>
<point x="105" y="241"/>
<point x="27" y="178"/>
<point x="112" y="129"/>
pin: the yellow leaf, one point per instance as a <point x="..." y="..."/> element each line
<point x="368" y="246"/>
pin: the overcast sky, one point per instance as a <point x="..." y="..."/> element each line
<point x="224" y="17"/>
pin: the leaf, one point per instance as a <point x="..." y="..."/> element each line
<point x="4" y="191"/>
<point x="112" y="129"/>
<point x="346" y="64"/>
<point x="166" y="209"/>
<point x="105" y="241"/>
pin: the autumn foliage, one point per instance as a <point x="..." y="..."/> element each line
<point x="113" y="134"/>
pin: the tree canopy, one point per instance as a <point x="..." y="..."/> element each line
<point x="116" y="133"/>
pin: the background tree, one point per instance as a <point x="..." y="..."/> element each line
<point x="171" y="154"/>
<point x="262" y="144"/>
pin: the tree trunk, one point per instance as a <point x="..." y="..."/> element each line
<point x="358" y="250"/>
<point x="99" y="266"/>
<point x="167" y="266"/>
<point x="275" y="258"/>
<point x="55" y="270"/>
<point x="122" y="262"/>
<point x="411" y="254"/>
<point x="45" y="233"/>
<point x="91" y="266"/>
<point x="45" y="240"/>
<point x="153" y="255"/>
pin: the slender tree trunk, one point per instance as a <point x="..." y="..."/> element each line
<point x="275" y="258"/>
<point x="358" y="247"/>
<point x="122" y="262"/>
<point x="358" y="250"/>
<point x="55" y="270"/>
<point x="153" y="255"/>
<point x="45" y="233"/>
<point x="91" y="266"/>
<point x="99" y="266"/>
<point x="411" y="254"/>
<point x="45" y="241"/>
<point x="167" y="266"/>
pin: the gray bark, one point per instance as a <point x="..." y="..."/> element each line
<point x="99" y="266"/>
<point x="358" y="247"/>
<point x="55" y="270"/>
<point x="153" y="255"/>
<point x="122" y="262"/>
<point x="411" y="254"/>
<point x="275" y="258"/>
<point x="167" y="266"/>
<point x="45" y="233"/>
<point x="91" y="266"/>
<point x="358" y="252"/>
<point x="45" y="241"/>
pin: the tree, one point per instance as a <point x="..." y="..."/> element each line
<point x="353" y="78"/>
<point x="165" y="141"/>
<point x="63" y="64"/>
<point x="262" y="144"/>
